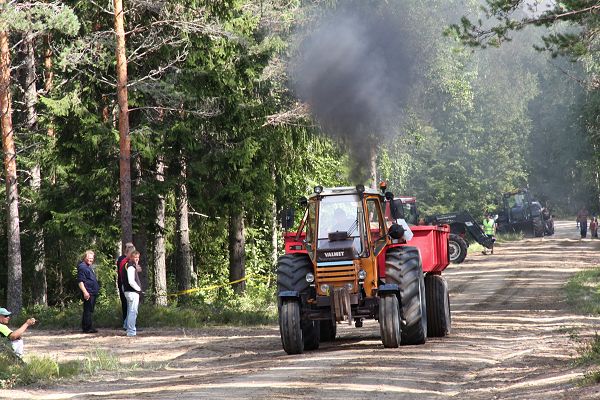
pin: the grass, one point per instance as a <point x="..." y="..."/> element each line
<point x="509" y="237"/>
<point x="41" y="370"/>
<point x="194" y="312"/>
<point x="583" y="291"/>
<point x="583" y="294"/>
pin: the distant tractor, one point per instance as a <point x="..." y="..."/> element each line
<point x="347" y="262"/>
<point x="463" y="229"/>
<point x="520" y="212"/>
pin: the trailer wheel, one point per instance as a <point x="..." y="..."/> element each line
<point x="290" y="327"/>
<point x="438" y="306"/>
<point x="328" y="330"/>
<point x="538" y="227"/>
<point x="457" y="247"/>
<point x="389" y="320"/>
<point x="403" y="267"/>
<point x="311" y="333"/>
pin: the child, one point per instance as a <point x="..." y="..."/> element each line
<point x="594" y="227"/>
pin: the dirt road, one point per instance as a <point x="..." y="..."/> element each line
<point x="513" y="337"/>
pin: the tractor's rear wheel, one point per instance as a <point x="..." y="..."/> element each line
<point x="438" y="306"/>
<point x="403" y="267"/>
<point x="389" y="320"/>
<point x="291" y="272"/>
<point x="457" y="248"/>
<point x="328" y="330"/>
<point x="290" y="327"/>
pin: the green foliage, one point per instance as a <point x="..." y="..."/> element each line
<point x="583" y="291"/>
<point x="35" y="370"/>
<point x="100" y="360"/>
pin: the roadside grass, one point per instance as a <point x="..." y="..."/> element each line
<point x="475" y="247"/>
<point x="583" y="294"/>
<point x="35" y="370"/>
<point x="193" y="311"/>
<point x="509" y="237"/>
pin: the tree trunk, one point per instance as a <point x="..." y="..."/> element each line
<point x="124" y="142"/>
<point x="48" y="86"/>
<point x="14" y="286"/>
<point x="49" y="79"/>
<point x="274" y="233"/>
<point x="160" y="264"/>
<point x="373" y="165"/>
<point x="237" y="251"/>
<point x="184" y="258"/>
<point x="140" y="239"/>
<point x="40" y="289"/>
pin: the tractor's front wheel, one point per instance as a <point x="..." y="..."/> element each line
<point x="389" y="320"/>
<point x="457" y="248"/>
<point x="296" y="334"/>
<point x="290" y="327"/>
<point x="328" y="330"/>
<point x="403" y="267"/>
<point x="438" y="306"/>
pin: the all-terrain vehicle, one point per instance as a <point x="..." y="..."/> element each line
<point x="347" y="262"/>
<point x="520" y="212"/>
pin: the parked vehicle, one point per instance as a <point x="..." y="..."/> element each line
<point x="520" y="212"/>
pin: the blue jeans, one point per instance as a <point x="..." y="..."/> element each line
<point x="133" y="301"/>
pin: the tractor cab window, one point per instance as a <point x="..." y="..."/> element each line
<point x="375" y="220"/>
<point x="341" y="222"/>
<point x="310" y="224"/>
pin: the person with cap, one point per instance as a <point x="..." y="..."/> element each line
<point x="88" y="284"/>
<point x="15" y="337"/>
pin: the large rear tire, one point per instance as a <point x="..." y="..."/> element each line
<point x="389" y="320"/>
<point x="403" y="267"/>
<point x="291" y="272"/>
<point x="457" y="248"/>
<point x="438" y="306"/>
<point x="328" y="330"/>
<point x="290" y="327"/>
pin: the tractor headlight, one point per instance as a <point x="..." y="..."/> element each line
<point x="324" y="288"/>
<point x="349" y="286"/>
<point x="318" y="189"/>
<point x="310" y="277"/>
<point x="362" y="275"/>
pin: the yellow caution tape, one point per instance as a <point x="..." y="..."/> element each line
<point x="212" y="287"/>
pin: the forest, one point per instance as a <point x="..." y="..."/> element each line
<point x="188" y="126"/>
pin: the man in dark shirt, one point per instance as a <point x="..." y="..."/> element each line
<point x="88" y="284"/>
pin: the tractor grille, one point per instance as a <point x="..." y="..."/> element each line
<point x="336" y="273"/>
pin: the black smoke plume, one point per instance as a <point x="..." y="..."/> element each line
<point x="354" y="69"/>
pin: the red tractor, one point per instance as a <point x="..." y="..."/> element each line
<point x="348" y="261"/>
